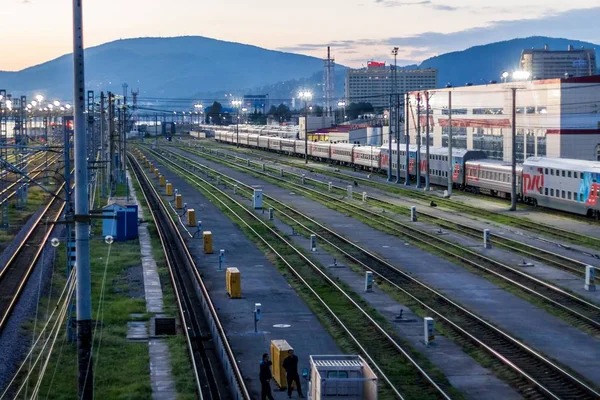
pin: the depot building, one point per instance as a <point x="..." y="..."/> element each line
<point x="554" y="118"/>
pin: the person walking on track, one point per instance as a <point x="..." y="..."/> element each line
<point x="290" y="364"/>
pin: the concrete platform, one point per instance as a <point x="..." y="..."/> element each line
<point x="465" y="374"/>
<point x="533" y="326"/>
<point x="285" y="315"/>
<point x="538" y="215"/>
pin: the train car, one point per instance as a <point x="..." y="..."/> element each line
<point x="438" y="164"/>
<point x="563" y="184"/>
<point x="342" y="152"/>
<point x="491" y="177"/>
<point x="367" y="157"/>
<point x="320" y="150"/>
<point x="299" y="147"/>
<point x="288" y="146"/>
<point x="275" y="144"/>
<point x="384" y="158"/>
<point x="263" y="142"/>
<point x="229" y="137"/>
<point x="252" y="140"/>
<point x="242" y="137"/>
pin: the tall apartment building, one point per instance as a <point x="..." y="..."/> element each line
<point x="549" y="64"/>
<point x="374" y="83"/>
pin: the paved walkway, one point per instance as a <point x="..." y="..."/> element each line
<point x="161" y="376"/>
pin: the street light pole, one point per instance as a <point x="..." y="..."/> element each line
<point x="82" y="222"/>
<point x="513" y="183"/>
<point x="306" y="96"/>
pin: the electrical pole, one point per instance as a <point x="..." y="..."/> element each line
<point x="450" y="162"/>
<point x="102" y="144"/>
<point x="427" y="144"/>
<point x="396" y="113"/>
<point x="119" y="144"/>
<point x="513" y="186"/>
<point x="397" y="98"/>
<point x="305" y="132"/>
<point x="391" y="156"/>
<point x="111" y="141"/>
<point x="418" y="155"/>
<point x="82" y="222"/>
<point x="407" y="141"/>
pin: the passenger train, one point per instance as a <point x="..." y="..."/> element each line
<point x="562" y="184"/>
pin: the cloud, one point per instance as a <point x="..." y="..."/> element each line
<point x="580" y="24"/>
<point x="427" y="3"/>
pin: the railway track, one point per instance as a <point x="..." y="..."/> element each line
<point x="532" y="373"/>
<point x="548" y="257"/>
<point x="310" y="275"/>
<point x="466" y="209"/>
<point x="18" y="268"/>
<point x="575" y="310"/>
<point x="10" y="191"/>
<point x="204" y="338"/>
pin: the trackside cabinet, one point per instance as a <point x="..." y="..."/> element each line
<point x="233" y="282"/>
<point x="279" y="351"/>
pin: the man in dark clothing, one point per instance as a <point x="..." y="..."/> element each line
<point x="265" y="376"/>
<point x="290" y="364"/>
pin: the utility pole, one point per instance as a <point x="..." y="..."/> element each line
<point x="513" y="186"/>
<point x="82" y="221"/>
<point x="450" y="162"/>
<point x="391" y="156"/>
<point x="111" y="146"/>
<point x="427" y="140"/>
<point x="305" y="131"/>
<point x="102" y="148"/>
<point x="407" y="141"/>
<point x="418" y="155"/>
<point x="119" y="143"/>
<point x="397" y="99"/>
<point x="396" y="112"/>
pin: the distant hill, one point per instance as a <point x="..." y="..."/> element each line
<point x="165" y="67"/>
<point x="203" y="68"/>
<point x="487" y="62"/>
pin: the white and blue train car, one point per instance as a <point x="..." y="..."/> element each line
<point x="563" y="184"/>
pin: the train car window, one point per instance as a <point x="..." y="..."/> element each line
<point x="546" y="191"/>
<point x="575" y="174"/>
<point x="563" y="174"/>
<point x="563" y="194"/>
<point x="569" y="174"/>
<point x="569" y="195"/>
<point x="552" y="192"/>
<point x="546" y="171"/>
<point x="551" y="172"/>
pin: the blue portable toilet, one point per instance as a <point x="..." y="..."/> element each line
<point x="120" y="222"/>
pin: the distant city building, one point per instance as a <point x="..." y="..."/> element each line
<point x="548" y="64"/>
<point x="554" y="118"/>
<point x="256" y="102"/>
<point x="373" y="84"/>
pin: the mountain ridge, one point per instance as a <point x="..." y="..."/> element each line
<point x="197" y="66"/>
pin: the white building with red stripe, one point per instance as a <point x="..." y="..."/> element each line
<point x="554" y="118"/>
